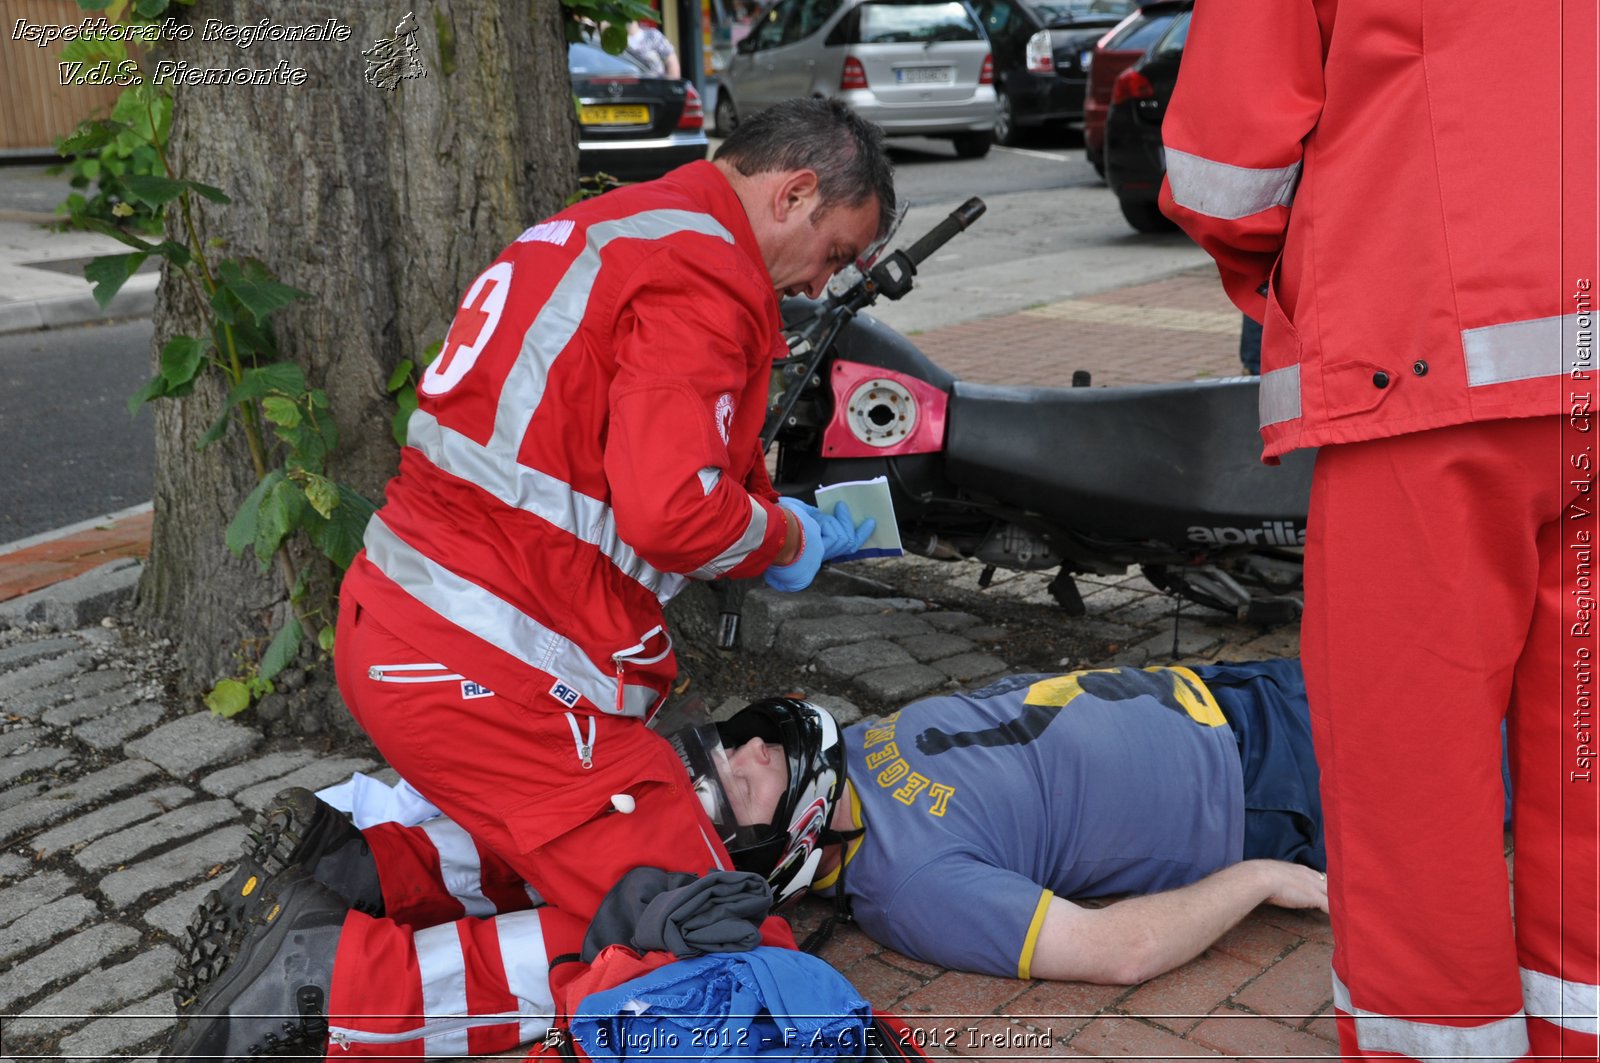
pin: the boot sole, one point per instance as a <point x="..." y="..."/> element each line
<point x="219" y="923"/>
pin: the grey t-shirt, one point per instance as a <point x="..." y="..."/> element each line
<point x="979" y="806"/>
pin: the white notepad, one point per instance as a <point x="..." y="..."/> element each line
<point x="866" y="498"/>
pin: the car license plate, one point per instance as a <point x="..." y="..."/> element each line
<point x="924" y="75"/>
<point x="612" y="114"/>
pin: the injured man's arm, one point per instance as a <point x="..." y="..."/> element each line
<point x="1138" y="938"/>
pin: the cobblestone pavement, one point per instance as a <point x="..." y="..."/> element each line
<point x="120" y="808"/>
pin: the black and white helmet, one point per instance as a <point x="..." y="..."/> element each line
<point x="786" y="851"/>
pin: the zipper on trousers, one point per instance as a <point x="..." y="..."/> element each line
<point x="344" y="1037"/>
<point x="395" y="673"/>
<point x="585" y="748"/>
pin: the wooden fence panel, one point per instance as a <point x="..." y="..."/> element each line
<point x="35" y="108"/>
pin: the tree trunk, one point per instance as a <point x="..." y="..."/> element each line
<point x="383" y="205"/>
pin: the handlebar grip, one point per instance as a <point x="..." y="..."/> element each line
<point x="939" y="235"/>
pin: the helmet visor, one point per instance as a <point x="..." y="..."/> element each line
<point x="700" y="749"/>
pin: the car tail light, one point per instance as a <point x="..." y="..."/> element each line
<point x="854" y="75"/>
<point x="986" y="75"/>
<point x="1040" y="59"/>
<point x="1131" y="85"/>
<point x="694" y="115"/>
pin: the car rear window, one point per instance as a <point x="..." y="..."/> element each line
<point x="1064" y="11"/>
<point x="1141" y="35"/>
<point x="585" y="60"/>
<point x="892" y="22"/>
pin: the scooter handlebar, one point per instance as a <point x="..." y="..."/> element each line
<point x="940" y="234"/>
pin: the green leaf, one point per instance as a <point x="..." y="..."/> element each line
<point x="325" y="638"/>
<point x="181" y="359"/>
<point x="90" y="136"/>
<point x="283" y="378"/>
<point x="323" y="494"/>
<point x="406" y="403"/>
<point x="228" y="698"/>
<point x="116" y="232"/>
<point x="431" y="352"/>
<point x="211" y="192"/>
<point x="401" y="375"/>
<point x="152" y="189"/>
<point x="253" y="285"/>
<point x="153" y="388"/>
<point x="214" y="433"/>
<point x="283" y="649"/>
<point x="174" y="251"/>
<point x="242" y="529"/>
<point x="280" y="512"/>
<point x="339" y="537"/>
<point x="281" y="411"/>
<point x="95" y="5"/>
<point x="614" y="39"/>
<point x="150" y="8"/>
<point x="110" y="272"/>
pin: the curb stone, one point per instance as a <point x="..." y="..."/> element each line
<point x="79" y="601"/>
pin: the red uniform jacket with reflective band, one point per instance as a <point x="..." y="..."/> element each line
<point x="585" y="441"/>
<point x="1406" y="201"/>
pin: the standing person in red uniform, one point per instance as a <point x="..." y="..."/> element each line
<point x="1419" y="240"/>
<point x="586" y="442"/>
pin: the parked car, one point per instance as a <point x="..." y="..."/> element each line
<point x="633" y="127"/>
<point x="1135" y="159"/>
<point x="1041" y="48"/>
<point x="1117" y="51"/>
<point x="915" y="67"/>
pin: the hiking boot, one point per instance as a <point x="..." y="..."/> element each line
<point x="296" y="830"/>
<point x="272" y="996"/>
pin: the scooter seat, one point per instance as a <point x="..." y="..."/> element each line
<point x="1173" y="463"/>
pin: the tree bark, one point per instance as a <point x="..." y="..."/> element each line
<point x="383" y="205"/>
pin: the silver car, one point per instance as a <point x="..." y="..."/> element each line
<point x="915" y="67"/>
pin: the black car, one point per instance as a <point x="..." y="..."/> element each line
<point x="635" y="127"/>
<point x="1041" y="52"/>
<point x="1135" y="159"/>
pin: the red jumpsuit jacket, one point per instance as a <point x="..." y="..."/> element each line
<point x="585" y="441"/>
<point x="1415" y="281"/>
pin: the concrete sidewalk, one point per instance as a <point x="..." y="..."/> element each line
<point x="118" y="803"/>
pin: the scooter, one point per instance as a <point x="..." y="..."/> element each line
<point x="1084" y="479"/>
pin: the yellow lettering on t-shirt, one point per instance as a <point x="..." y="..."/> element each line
<point x="941" y="795"/>
<point x="880" y="756"/>
<point x="893" y="774"/>
<point x="876" y="736"/>
<point x="916" y="782"/>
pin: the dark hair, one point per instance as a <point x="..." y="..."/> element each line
<point x="844" y="149"/>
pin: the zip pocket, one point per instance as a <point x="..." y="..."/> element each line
<point x="344" y="1037"/>
<point x="412" y="673"/>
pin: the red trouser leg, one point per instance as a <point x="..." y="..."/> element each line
<point x="1422" y="586"/>
<point x="1557" y="785"/>
<point x="435" y="872"/>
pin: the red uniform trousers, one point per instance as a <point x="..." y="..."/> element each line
<point x="1449" y="582"/>
<point x="525" y="810"/>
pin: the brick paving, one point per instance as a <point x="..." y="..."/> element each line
<point x="122" y="808"/>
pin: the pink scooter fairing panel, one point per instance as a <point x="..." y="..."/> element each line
<point x="878" y="413"/>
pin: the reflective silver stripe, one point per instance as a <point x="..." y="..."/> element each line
<point x="710" y="476"/>
<point x="563" y="312"/>
<point x="539" y="493"/>
<point x="527" y="971"/>
<point x="460" y="867"/>
<point x="743" y="547"/>
<point x="1570" y="1005"/>
<point x="498" y="622"/>
<point x="1521" y="350"/>
<point x="712" y="849"/>
<point x="1502" y="1041"/>
<point x="444" y="988"/>
<point x="1220" y="190"/>
<point x="1280" y="395"/>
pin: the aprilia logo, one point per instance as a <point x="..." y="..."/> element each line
<point x="1269" y="533"/>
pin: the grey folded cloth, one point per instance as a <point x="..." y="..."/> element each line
<point x="675" y="911"/>
<point x="718" y="912"/>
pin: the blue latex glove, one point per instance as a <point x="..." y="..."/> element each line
<point x="841" y="535"/>
<point x="798" y="574"/>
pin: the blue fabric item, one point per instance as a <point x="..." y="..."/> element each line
<point x="798" y="574"/>
<point x="766" y="1003"/>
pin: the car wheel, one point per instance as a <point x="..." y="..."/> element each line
<point x="972" y="145"/>
<point x="1098" y="161"/>
<point x="1005" y="120"/>
<point x="727" y="115"/>
<point x="1146" y="216"/>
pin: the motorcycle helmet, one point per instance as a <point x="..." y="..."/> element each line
<point x="787" y="850"/>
